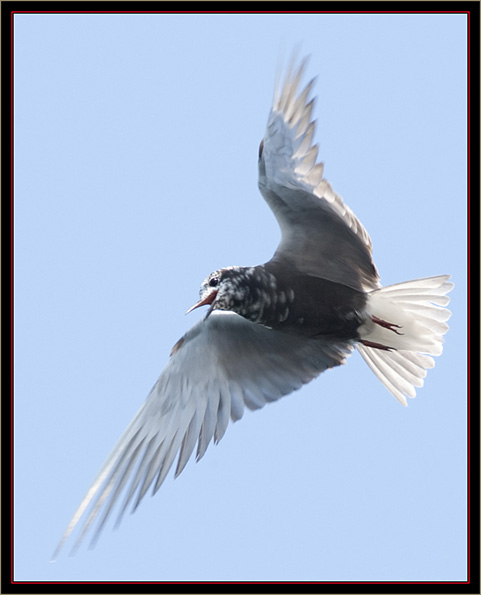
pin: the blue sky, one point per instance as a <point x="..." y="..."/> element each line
<point x="136" y="141"/>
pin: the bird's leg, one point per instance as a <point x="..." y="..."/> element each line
<point x="384" y="324"/>
<point x="376" y="345"/>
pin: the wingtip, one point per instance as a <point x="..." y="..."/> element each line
<point x="60" y="546"/>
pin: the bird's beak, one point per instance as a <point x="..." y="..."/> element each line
<point x="206" y="301"/>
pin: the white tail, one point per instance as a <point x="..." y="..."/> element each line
<point x="405" y="322"/>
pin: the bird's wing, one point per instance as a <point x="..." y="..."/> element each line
<point x="321" y="236"/>
<point x="222" y="365"/>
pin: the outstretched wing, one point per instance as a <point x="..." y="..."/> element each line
<point x="222" y="365"/>
<point x="321" y="236"/>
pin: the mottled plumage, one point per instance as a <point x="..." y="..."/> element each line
<point x="289" y="301"/>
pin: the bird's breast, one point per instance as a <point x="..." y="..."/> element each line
<point x="301" y="304"/>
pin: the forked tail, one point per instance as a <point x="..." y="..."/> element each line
<point x="405" y="326"/>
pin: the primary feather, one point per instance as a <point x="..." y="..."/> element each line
<point x="223" y="364"/>
<point x="312" y="217"/>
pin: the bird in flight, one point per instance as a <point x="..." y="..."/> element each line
<point x="273" y="327"/>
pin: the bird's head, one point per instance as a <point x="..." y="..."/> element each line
<point x="222" y="290"/>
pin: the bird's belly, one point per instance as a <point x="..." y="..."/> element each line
<point x="314" y="307"/>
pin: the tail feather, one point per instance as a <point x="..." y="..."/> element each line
<point x="407" y="321"/>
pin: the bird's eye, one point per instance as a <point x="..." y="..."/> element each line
<point x="214" y="282"/>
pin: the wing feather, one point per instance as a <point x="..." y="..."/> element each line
<point x="312" y="216"/>
<point x="223" y="364"/>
